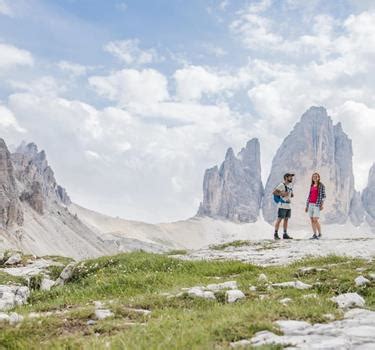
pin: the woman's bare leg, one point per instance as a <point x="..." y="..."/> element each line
<point x="313" y="225"/>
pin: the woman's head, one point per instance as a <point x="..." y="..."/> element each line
<point x="315" y="178"/>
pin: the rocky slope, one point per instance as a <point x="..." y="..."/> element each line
<point x="33" y="213"/>
<point x="315" y="144"/>
<point x="234" y="191"/>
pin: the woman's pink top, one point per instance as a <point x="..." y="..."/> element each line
<point x="313" y="194"/>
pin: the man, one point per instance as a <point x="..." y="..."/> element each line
<point x="285" y="191"/>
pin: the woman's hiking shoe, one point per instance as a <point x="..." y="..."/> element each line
<point x="319" y="235"/>
<point x="286" y="236"/>
<point x="314" y="236"/>
<point x="276" y="236"/>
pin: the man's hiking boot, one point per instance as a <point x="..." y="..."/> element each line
<point x="276" y="236"/>
<point x="314" y="236"/>
<point x="286" y="236"/>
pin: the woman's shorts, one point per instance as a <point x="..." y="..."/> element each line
<point x="313" y="211"/>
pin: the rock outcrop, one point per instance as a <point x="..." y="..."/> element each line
<point x="368" y="198"/>
<point x="36" y="178"/>
<point x="10" y="206"/>
<point x="314" y="145"/>
<point x="234" y="191"/>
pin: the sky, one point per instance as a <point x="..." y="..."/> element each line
<point x="132" y="100"/>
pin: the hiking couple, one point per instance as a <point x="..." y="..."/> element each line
<point x="314" y="204"/>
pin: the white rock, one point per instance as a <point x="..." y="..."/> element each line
<point x="11" y="296"/>
<point x="240" y="343"/>
<point x="262" y="278"/>
<point x="46" y="284"/>
<point x="90" y="322"/>
<point x="285" y="301"/>
<point x="200" y="293"/>
<point x="361" y="281"/>
<point x="101" y="314"/>
<point x="293" y="284"/>
<point x="234" y="295"/>
<point x="14" y="259"/>
<point x="372" y="276"/>
<point x="349" y="300"/>
<point x="329" y="317"/>
<point x="4" y="317"/>
<point x="290" y="326"/>
<point x="66" y="274"/>
<point x="224" y="285"/>
<point x="98" y="304"/>
<point x="15" y="318"/>
<point x="252" y="288"/>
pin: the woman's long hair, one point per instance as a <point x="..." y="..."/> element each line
<point x="312" y="181"/>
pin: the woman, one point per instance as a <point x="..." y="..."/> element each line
<point x="314" y="204"/>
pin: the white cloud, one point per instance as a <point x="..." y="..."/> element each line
<point x="130" y="86"/>
<point x="8" y="120"/>
<point x="5" y="8"/>
<point x="112" y="153"/>
<point x="129" y="52"/>
<point x="72" y="68"/>
<point x="13" y="56"/>
<point x="43" y="86"/>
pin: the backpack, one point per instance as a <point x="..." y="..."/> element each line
<point x="278" y="199"/>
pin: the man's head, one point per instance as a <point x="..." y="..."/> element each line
<point x="288" y="177"/>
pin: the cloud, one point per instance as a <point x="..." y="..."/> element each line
<point x="74" y="69"/>
<point x="5" y="9"/>
<point x="129" y="52"/>
<point x="8" y="120"/>
<point x="12" y="56"/>
<point x="43" y="86"/>
<point x="130" y="86"/>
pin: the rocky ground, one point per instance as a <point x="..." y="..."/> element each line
<point x="211" y="298"/>
<point x="271" y="252"/>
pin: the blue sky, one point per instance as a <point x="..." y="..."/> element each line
<point x="133" y="100"/>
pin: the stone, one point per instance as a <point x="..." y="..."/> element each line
<point x="4" y="317"/>
<point x="285" y="301"/>
<point x="253" y="289"/>
<point x="102" y="314"/>
<point x="90" y="322"/>
<point x="240" y="343"/>
<point x="262" y="278"/>
<point x="361" y="281"/>
<point x="14" y="259"/>
<point x="15" y="318"/>
<point x="224" y="285"/>
<point x="235" y="190"/>
<point x="200" y="293"/>
<point x="293" y="284"/>
<point x="234" y="295"/>
<point x="66" y="274"/>
<point x="47" y="284"/>
<point x="349" y="300"/>
<point x="290" y="326"/>
<point x="372" y="276"/>
<point x="11" y="296"/>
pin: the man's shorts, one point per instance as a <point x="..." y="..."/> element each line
<point x="313" y="211"/>
<point x="284" y="213"/>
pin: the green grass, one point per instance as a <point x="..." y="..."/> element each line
<point x="137" y="280"/>
<point x="6" y="278"/>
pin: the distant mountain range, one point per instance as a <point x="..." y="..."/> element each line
<point x="37" y="216"/>
<point x="235" y="191"/>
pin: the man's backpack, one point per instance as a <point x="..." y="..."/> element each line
<point x="278" y="199"/>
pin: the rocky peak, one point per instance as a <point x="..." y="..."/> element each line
<point x="39" y="186"/>
<point x="314" y="145"/>
<point x="234" y="191"/>
<point x="368" y="197"/>
<point x="10" y="208"/>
